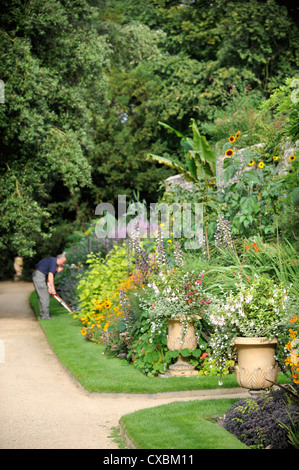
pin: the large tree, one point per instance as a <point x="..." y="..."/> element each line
<point x="52" y="61"/>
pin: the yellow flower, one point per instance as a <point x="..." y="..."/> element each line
<point x="229" y="152"/>
<point x="292" y="158"/>
<point x="259" y="195"/>
<point x="288" y="361"/>
<point x="275" y="158"/>
<point x="293" y="334"/>
<point x="251" y="163"/>
<point x="83" y="331"/>
<point x="261" y="165"/>
<point x="238" y="134"/>
<point x="231" y="138"/>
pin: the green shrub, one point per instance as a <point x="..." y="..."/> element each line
<point x="102" y="278"/>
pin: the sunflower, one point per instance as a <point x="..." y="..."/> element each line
<point x="275" y="158"/>
<point x="261" y="165"/>
<point x="238" y="134"/>
<point x="229" y="152"/>
<point x="292" y="158"/>
<point x="231" y="138"/>
<point x="251" y="163"/>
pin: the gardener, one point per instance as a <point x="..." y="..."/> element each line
<point x="43" y="280"/>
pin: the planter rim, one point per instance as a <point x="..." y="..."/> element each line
<point x="255" y="340"/>
<point x="183" y="318"/>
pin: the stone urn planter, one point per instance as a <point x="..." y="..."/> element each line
<point x="256" y="369"/>
<point x="181" y="335"/>
<point x="18" y="267"/>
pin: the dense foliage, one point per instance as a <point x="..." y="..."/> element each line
<point x="52" y="68"/>
<point x="86" y="84"/>
<point x="262" y="422"/>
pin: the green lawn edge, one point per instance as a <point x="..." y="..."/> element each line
<point x="180" y="425"/>
<point x="100" y="373"/>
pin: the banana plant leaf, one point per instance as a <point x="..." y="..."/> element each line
<point x="200" y="160"/>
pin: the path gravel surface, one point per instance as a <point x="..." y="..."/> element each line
<point x="41" y="405"/>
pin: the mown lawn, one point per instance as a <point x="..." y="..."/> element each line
<point x="181" y="425"/>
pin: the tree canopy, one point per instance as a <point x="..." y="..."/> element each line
<point x="52" y="67"/>
<point x="87" y="83"/>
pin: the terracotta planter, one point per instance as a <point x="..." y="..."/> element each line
<point x="177" y="339"/>
<point x="256" y="369"/>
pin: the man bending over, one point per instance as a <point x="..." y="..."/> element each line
<point x="43" y="280"/>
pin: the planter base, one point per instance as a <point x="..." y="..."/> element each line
<point x="181" y="369"/>
<point x="257" y="393"/>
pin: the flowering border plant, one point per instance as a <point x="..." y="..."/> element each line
<point x="257" y="310"/>
<point x="292" y="359"/>
<point x="174" y="294"/>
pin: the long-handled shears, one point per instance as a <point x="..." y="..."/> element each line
<point x="62" y="302"/>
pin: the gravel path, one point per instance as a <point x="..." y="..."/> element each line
<point x="41" y="405"/>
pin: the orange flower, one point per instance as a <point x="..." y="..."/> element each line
<point x="254" y="244"/>
<point x="256" y="249"/>
<point x="293" y="319"/>
<point x="295" y="378"/>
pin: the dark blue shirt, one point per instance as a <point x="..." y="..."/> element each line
<point x="47" y="265"/>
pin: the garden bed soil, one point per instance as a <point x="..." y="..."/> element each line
<point x="41" y="404"/>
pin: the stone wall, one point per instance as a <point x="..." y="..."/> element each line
<point x="284" y="164"/>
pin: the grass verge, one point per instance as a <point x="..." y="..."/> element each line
<point x="99" y="373"/>
<point x="181" y="425"/>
